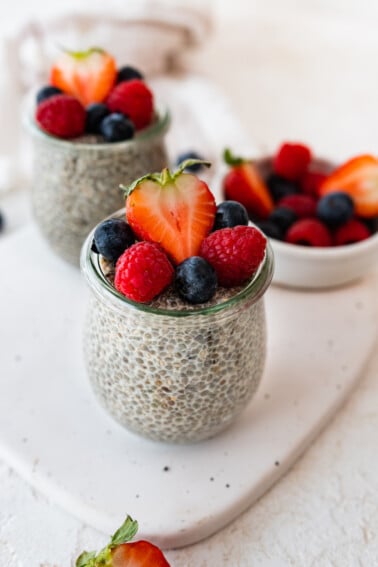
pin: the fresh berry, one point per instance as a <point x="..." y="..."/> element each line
<point x="304" y="206"/>
<point x="175" y="209"/>
<point x="122" y="552"/>
<point x="335" y="209"/>
<point x="196" y="167"/>
<point x="229" y="214"/>
<point x="143" y="271"/>
<point x="95" y="113"/>
<point x="235" y="253"/>
<point x="46" y="92"/>
<point x="283" y="217"/>
<point x="280" y="187"/>
<point x="291" y="161"/>
<point x="61" y="115"/>
<point x="311" y="181"/>
<point x="371" y="224"/>
<point x="116" y="128"/>
<point x="127" y="73"/>
<point x="351" y="232"/>
<point x="135" y="100"/>
<point x="243" y="183"/>
<point x="112" y="237"/>
<point x="87" y="75"/>
<point x="359" y="178"/>
<point x="195" y="280"/>
<point x="309" y="232"/>
<point x="270" y="229"/>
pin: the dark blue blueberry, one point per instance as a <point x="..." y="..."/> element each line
<point x="335" y="209"/>
<point x="190" y="155"/>
<point x="95" y="114"/>
<point x="111" y="238"/>
<point x="270" y="229"/>
<point x="2" y="222"/>
<point x="283" y="217"/>
<point x="229" y="214"/>
<point x="116" y="128"/>
<point x="195" y="280"/>
<point x="47" y="92"/>
<point x="371" y="224"/>
<point x="280" y="187"/>
<point x="127" y="73"/>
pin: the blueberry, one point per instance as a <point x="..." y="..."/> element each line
<point x="280" y="187"/>
<point x="190" y="155"/>
<point x="270" y="229"/>
<point x="95" y="113"/>
<point x="195" y="280"/>
<point x="127" y="73"/>
<point x="229" y="214"/>
<point x="283" y="217"/>
<point x="335" y="209"/>
<point x="371" y="224"/>
<point x="116" y="127"/>
<point x="111" y="238"/>
<point x="47" y="92"/>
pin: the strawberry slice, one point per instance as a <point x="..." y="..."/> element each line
<point x="177" y="210"/>
<point x="87" y="75"/>
<point x="243" y="183"/>
<point x="359" y="178"/>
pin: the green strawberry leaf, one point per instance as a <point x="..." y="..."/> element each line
<point x="85" y="559"/>
<point x="125" y="533"/>
<point x="232" y="160"/>
<point x="187" y="163"/>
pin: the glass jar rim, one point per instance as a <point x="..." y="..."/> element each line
<point x="91" y="269"/>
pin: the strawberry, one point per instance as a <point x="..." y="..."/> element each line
<point x="174" y="209"/>
<point x="244" y="184"/>
<point x="120" y="553"/>
<point x="135" y="100"/>
<point x="359" y="178"/>
<point x="87" y="75"/>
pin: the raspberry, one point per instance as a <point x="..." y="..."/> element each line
<point x="292" y="161"/>
<point x="311" y="181"/>
<point x="309" y="232"/>
<point x="235" y="253"/>
<point x="135" y="100"/>
<point x="143" y="271"/>
<point x="61" y="115"/>
<point x="351" y="232"/>
<point x="304" y="206"/>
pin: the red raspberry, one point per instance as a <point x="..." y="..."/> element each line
<point x="292" y="161"/>
<point x="304" y="206"/>
<point x="311" y="182"/>
<point x="61" y="115"/>
<point x="309" y="232"/>
<point x="143" y="271"/>
<point x="235" y="253"/>
<point x="352" y="231"/>
<point x="134" y="99"/>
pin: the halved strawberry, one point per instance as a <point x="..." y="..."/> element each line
<point x="359" y="178"/>
<point x="177" y="210"/>
<point x="243" y="183"/>
<point x="87" y="75"/>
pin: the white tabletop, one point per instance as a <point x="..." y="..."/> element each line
<point x="306" y="73"/>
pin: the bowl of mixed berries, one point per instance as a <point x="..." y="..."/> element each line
<point x="93" y="126"/>
<point x="321" y="218"/>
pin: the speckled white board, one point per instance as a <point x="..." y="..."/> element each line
<point x="53" y="432"/>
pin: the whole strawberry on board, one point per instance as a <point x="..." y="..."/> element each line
<point x="121" y="552"/>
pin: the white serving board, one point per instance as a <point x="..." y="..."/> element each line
<point x="54" y="433"/>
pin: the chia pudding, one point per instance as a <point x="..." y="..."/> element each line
<point x="75" y="183"/>
<point x="169" y="370"/>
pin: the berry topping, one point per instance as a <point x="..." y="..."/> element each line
<point x="270" y="229"/>
<point x="116" y="128"/>
<point x="304" y="206"/>
<point x="95" y="113"/>
<point x="351" y="232"/>
<point x="235" y="253"/>
<point x="311" y="181"/>
<point x="195" y="280"/>
<point x="280" y="187"/>
<point x="309" y="232"/>
<point x="244" y="184"/>
<point x="127" y="73"/>
<point x="359" y="178"/>
<point x="46" y="92"/>
<point x="335" y="209"/>
<point x="229" y="214"/>
<point x="143" y="271"/>
<point x="87" y="75"/>
<point x="175" y="209"/>
<point x="283" y="217"/>
<point x="196" y="167"/>
<point x="291" y="161"/>
<point x="62" y="116"/>
<point x="134" y="99"/>
<point x="111" y="238"/>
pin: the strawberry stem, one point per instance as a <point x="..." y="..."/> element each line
<point x="83" y="54"/>
<point x="232" y="160"/>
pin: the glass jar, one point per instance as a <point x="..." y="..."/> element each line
<point x="174" y="375"/>
<point x="76" y="184"/>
